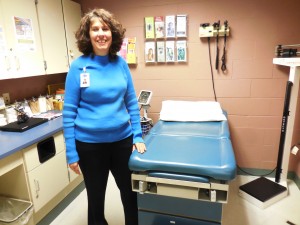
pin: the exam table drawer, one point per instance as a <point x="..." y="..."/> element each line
<point x="149" y="218"/>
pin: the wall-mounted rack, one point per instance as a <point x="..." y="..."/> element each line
<point x="207" y="30"/>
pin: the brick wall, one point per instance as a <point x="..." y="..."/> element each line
<point x="253" y="89"/>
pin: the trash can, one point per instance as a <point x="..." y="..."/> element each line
<point x="15" y="211"/>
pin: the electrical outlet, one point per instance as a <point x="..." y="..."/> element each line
<point x="295" y="149"/>
<point x="6" y="98"/>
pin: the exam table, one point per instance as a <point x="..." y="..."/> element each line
<point x="183" y="177"/>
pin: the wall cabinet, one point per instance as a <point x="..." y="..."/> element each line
<point x="22" y="52"/>
<point x="58" y="33"/>
<point x="4" y="63"/>
<point x="72" y="16"/>
<point x="51" y="23"/>
<point x="38" y="37"/>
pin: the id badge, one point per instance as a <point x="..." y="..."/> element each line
<point x="84" y="79"/>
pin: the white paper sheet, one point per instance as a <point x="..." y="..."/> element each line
<point x="191" y="111"/>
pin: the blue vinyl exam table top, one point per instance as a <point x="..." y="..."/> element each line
<point x="187" y="149"/>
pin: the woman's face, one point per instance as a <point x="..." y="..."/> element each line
<point x="101" y="37"/>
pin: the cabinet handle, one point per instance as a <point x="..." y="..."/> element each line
<point x="71" y="54"/>
<point x="7" y="62"/>
<point x="67" y="61"/>
<point x="17" y="61"/>
<point x="37" y="188"/>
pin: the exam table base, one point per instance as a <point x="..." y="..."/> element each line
<point x="168" y="201"/>
<point x="165" y="210"/>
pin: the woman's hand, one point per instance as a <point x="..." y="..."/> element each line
<point x="75" y="168"/>
<point x="140" y="147"/>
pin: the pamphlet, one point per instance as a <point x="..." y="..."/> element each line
<point x="181" y="24"/>
<point x="181" y="51"/>
<point x="150" y="51"/>
<point x="170" y="26"/>
<point x="123" y="50"/>
<point x="159" y="26"/>
<point x="170" y="54"/>
<point x="131" y="51"/>
<point x="160" y="49"/>
<point x="149" y="27"/>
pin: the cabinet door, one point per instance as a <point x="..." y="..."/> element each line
<point x="53" y="37"/>
<point x="4" y="56"/>
<point x="72" y="175"/>
<point x="47" y="180"/>
<point x="23" y="39"/>
<point x="72" y="16"/>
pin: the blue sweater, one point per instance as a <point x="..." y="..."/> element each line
<point x="106" y="111"/>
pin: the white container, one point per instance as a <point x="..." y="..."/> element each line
<point x="14" y="211"/>
<point x="3" y="121"/>
<point x="42" y="104"/>
<point x="2" y="103"/>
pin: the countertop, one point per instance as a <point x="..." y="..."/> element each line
<point x="11" y="142"/>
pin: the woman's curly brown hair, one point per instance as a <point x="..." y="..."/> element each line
<point x="83" y="37"/>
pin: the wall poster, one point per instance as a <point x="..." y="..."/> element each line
<point x="24" y="34"/>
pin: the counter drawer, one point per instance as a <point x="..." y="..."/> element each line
<point x="31" y="153"/>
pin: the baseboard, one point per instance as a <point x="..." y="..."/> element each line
<point x="297" y="181"/>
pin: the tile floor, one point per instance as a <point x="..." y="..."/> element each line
<point x="236" y="212"/>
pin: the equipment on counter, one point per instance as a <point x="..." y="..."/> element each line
<point x="21" y="127"/>
<point x="22" y="115"/>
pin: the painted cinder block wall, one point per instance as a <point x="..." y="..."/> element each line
<point x="253" y="89"/>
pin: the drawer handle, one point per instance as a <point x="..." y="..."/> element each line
<point x="37" y="188"/>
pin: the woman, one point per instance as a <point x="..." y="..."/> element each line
<point x="101" y="116"/>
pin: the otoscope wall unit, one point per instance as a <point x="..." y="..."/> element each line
<point x="214" y="30"/>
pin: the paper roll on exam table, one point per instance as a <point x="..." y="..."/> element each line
<point x="183" y="177"/>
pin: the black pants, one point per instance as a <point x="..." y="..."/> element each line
<point x="95" y="161"/>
